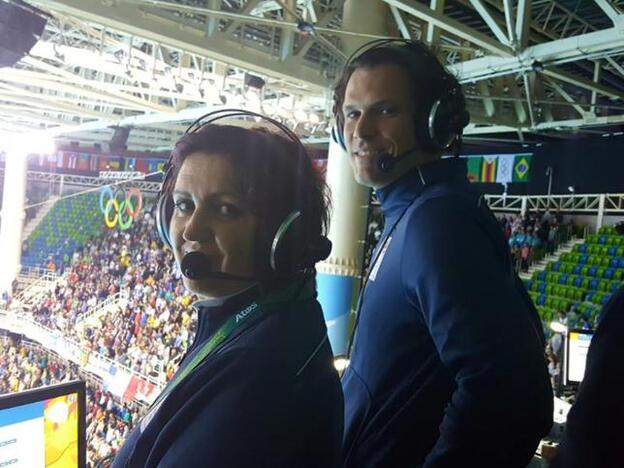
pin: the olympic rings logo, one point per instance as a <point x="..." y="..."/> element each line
<point x="116" y="205"/>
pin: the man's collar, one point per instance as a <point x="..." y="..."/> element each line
<point x="413" y="182"/>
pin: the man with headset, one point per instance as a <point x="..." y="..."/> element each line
<point x="447" y="365"/>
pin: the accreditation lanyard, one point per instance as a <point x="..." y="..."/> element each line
<point x="296" y="292"/>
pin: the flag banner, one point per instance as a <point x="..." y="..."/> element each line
<point x="474" y="169"/>
<point x="130" y="164"/>
<point x="115" y="163"/>
<point x="84" y="159"/>
<point x="522" y="167"/>
<point x="499" y="168"/>
<point x="141" y="165"/>
<point x="93" y="164"/>
<point x="102" y="163"/>
<point x="488" y="170"/>
<point x="71" y="161"/>
<point x="504" y="173"/>
<point x="152" y="165"/>
<point x="61" y="159"/>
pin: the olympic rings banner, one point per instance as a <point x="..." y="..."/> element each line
<point x="120" y="207"/>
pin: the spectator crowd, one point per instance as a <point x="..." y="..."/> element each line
<point x="24" y="366"/>
<point x="534" y="235"/>
<point x="151" y="332"/>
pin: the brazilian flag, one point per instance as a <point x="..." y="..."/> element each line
<point x="522" y="167"/>
<point x="474" y="169"/>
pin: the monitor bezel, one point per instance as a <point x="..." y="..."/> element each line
<point x="11" y="400"/>
<point x="568" y="382"/>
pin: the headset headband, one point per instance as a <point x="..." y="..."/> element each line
<point x="318" y="248"/>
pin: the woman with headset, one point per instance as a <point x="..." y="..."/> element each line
<point x="245" y="215"/>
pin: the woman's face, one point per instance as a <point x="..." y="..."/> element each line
<point x="211" y="217"/>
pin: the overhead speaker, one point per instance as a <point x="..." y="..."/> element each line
<point x="21" y="26"/>
<point x="254" y="81"/>
<point x="119" y="141"/>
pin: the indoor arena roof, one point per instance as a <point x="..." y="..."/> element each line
<point x="532" y="69"/>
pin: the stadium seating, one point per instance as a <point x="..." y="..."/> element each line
<point x="68" y="225"/>
<point x="584" y="278"/>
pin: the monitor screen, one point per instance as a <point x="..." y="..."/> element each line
<point x="44" y="427"/>
<point x="576" y="354"/>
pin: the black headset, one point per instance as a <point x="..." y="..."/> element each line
<point x="439" y="123"/>
<point x="284" y="258"/>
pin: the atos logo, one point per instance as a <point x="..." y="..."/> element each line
<point x="245" y="312"/>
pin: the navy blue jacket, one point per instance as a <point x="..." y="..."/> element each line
<point x="245" y="405"/>
<point x="447" y="366"/>
<point x="593" y="435"/>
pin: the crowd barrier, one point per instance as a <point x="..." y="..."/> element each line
<point x="118" y="379"/>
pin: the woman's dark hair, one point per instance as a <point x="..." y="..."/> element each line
<point x="429" y="79"/>
<point x="276" y="177"/>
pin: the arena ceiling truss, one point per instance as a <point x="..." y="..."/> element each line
<point x="530" y="68"/>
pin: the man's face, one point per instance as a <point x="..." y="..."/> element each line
<point x="379" y="118"/>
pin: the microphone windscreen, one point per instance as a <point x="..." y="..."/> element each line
<point x="195" y="265"/>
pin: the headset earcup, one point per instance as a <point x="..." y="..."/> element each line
<point x="440" y="129"/>
<point x="319" y="250"/>
<point x="164" y="211"/>
<point x="338" y="135"/>
<point x="291" y="249"/>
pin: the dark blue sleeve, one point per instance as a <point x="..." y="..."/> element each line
<point x="460" y="281"/>
<point x="593" y="437"/>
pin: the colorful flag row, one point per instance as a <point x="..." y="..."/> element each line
<point x="147" y="166"/>
<point x="502" y="169"/>
<point x="94" y="162"/>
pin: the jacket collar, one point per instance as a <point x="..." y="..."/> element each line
<point x="212" y="313"/>
<point x="395" y="196"/>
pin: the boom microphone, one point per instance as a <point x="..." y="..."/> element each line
<point x="386" y="161"/>
<point x="196" y="265"/>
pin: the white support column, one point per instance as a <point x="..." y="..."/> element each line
<point x="288" y="35"/>
<point x="601" y="209"/>
<point x="13" y="216"/>
<point x="523" y="206"/>
<point x="594" y="95"/>
<point x="338" y="279"/>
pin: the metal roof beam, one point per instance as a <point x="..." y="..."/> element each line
<point x="433" y="33"/>
<point x="610" y="10"/>
<point x="523" y="22"/>
<point x="140" y="22"/>
<point x="455" y="27"/>
<point x="489" y="20"/>
<point x="549" y="53"/>
<point x="584" y="83"/>
<point x="400" y="22"/>
<point x="566" y="96"/>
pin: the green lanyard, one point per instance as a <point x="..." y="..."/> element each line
<point x="295" y="292"/>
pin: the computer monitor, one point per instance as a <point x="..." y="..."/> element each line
<point x="577" y="346"/>
<point x="44" y="427"/>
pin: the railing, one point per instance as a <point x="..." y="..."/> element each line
<point x="116" y="374"/>
<point x="85" y="181"/>
<point x="609" y="203"/>
<point x="37" y="273"/>
<point x="118" y="299"/>
<point x="90" y="378"/>
<point x="40" y="286"/>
